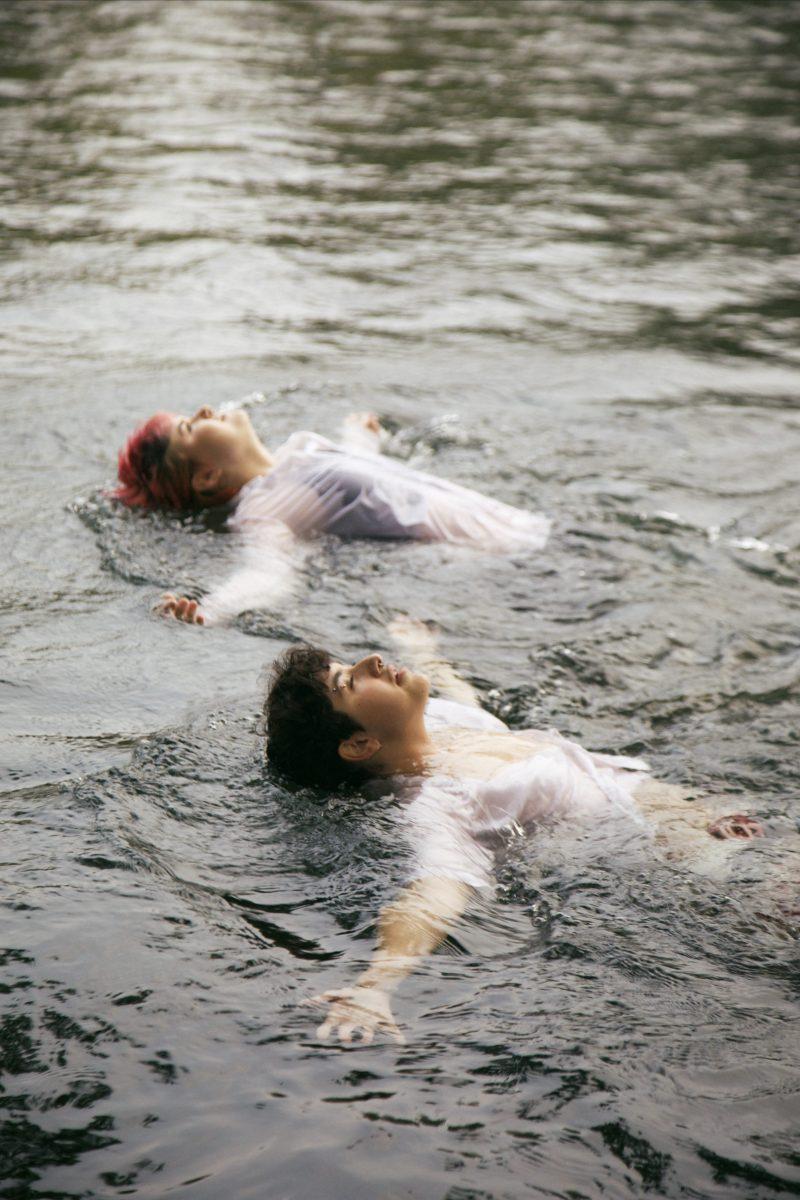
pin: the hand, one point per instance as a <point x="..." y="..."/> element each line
<point x="736" y="825"/>
<point x="368" y="421"/>
<point x="362" y="1010"/>
<point x="180" y="607"/>
<point x="365" y="420"/>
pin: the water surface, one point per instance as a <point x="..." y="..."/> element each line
<point x="555" y="246"/>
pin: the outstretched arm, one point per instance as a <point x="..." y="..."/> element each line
<point x="408" y="929"/>
<point x="420" y="643"/>
<point x="267" y="576"/>
<point x="363" y="431"/>
<point x="682" y="823"/>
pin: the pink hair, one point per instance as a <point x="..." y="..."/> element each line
<point x="146" y="478"/>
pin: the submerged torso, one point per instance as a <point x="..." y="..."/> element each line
<point x="319" y="486"/>
<point x="483" y="778"/>
<point x="467" y="754"/>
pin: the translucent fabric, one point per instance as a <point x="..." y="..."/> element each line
<point x="318" y="486"/>
<point x="444" y="816"/>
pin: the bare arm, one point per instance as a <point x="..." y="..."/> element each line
<point x="410" y="927"/>
<point x="419" y="642"/>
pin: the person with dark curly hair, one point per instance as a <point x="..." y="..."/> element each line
<point x="299" y="702"/>
<point x="459" y="774"/>
<point x="309" y="485"/>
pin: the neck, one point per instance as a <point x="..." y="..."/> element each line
<point x="258" y="461"/>
<point x="407" y="756"/>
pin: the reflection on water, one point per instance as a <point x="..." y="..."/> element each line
<point x="293" y="178"/>
<point x="554" y="244"/>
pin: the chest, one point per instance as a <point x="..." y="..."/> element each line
<point x="484" y="755"/>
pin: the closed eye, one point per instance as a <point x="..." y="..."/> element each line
<point x="338" y="681"/>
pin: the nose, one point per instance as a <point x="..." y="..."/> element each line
<point x="203" y="413"/>
<point x="371" y="665"/>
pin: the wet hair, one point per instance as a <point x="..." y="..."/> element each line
<point x="303" y="729"/>
<point x="147" y="478"/>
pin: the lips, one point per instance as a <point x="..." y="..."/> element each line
<point x="395" y="674"/>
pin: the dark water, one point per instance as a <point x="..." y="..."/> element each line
<point x="555" y="245"/>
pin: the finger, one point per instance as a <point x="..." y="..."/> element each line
<point x="751" y="828"/>
<point x="395" y="1032"/>
<point x="194" y="615"/>
<point x="324" y="1030"/>
<point x="186" y="610"/>
<point x="346" y="1032"/>
<point x="367" y="1035"/>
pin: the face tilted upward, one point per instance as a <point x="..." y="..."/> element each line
<point x="218" y="440"/>
<point x="383" y="699"/>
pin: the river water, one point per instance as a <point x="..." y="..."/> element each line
<point x="554" y="245"/>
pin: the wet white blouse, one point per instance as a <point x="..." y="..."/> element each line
<point x="319" y="486"/>
<point x="445" y="816"/>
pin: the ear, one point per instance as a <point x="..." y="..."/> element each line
<point x="360" y="747"/>
<point x="206" y="479"/>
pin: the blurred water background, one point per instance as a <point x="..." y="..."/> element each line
<point x="554" y="244"/>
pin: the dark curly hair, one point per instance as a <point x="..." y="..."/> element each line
<point x="303" y="729"/>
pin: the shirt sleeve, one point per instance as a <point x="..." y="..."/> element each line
<point x="266" y="576"/>
<point x="269" y="556"/>
<point x="460" y="515"/>
<point x="442" y="845"/>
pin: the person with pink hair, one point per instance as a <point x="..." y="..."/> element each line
<point x="309" y="485"/>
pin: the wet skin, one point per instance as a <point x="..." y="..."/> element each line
<point x="389" y="703"/>
<point x="215" y="439"/>
<point x="736" y="825"/>
<point x="223" y="450"/>
<point x="378" y="695"/>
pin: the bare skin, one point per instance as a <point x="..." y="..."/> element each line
<point x="228" y="457"/>
<point x="389" y="703"/>
<point x="736" y="825"/>
<point x="181" y="608"/>
<point x="414" y="925"/>
<point x="221" y="450"/>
